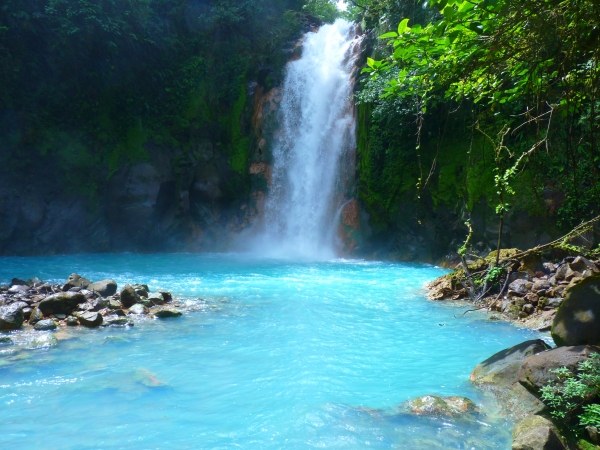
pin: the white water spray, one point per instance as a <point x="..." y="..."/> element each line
<point x="315" y="137"/>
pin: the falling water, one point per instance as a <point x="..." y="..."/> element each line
<point x="313" y="145"/>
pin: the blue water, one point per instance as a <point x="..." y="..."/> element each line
<point x="275" y="355"/>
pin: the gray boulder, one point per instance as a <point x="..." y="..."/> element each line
<point x="117" y="321"/>
<point x="577" y="320"/>
<point x="45" y="325"/>
<point x="61" y="303"/>
<point x="129" y="297"/>
<point x="11" y="317"/>
<point x="536" y="370"/>
<point x="536" y="433"/>
<point x="156" y="298"/>
<point x="104" y="287"/>
<point x="35" y="316"/>
<point x="90" y="319"/>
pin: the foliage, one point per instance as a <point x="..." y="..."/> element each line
<point x="113" y="78"/>
<point x="491" y="100"/>
<point x="573" y="398"/>
<point x="324" y="10"/>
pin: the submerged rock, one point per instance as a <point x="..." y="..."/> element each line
<point x="433" y="405"/>
<point x="164" y="313"/>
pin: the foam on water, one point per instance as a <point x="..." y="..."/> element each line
<point x="279" y="355"/>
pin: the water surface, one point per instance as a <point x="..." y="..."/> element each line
<point x="277" y="355"/>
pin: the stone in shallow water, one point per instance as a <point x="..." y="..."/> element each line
<point x="138" y="308"/>
<point x="117" y="321"/>
<point x="129" y="297"/>
<point x="62" y="303"/>
<point x="44" y="325"/>
<point x="433" y="405"/>
<point x="90" y="319"/>
<point x="164" y="313"/>
<point x="104" y="287"/>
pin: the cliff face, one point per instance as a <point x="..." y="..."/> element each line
<point x="138" y="136"/>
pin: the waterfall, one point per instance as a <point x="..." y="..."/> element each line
<point x="312" y="147"/>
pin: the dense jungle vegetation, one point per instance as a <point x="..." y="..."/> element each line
<point x="480" y="110"/>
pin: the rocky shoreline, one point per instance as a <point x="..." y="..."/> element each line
<point x="561" y="297"/>
<point x="36" y="305"/>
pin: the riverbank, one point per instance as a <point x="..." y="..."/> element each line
<point x="562" y="297"/>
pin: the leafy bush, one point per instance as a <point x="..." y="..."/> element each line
<point x="573" y="399"/>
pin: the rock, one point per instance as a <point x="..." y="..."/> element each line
<point x="536" y="369"/>
<point x="502" y="368"/>
<point x="593" y="434"/>
<point x="71" y="321"/>
<point x="129" y="297"/>
<point x="519" y="287"/>
<point x="17" y="282"/>
<point x="98" y="304"/>
<point x="167" y="297"/>
<point x="540" y="286"/>
<point x="499" y="374"/>
<point x="156" y="298"/>
<point x="141" y="289"/>
<point x="528" y="308"/>
<point x="5" y="340"/>
<point x="164" y="313"/>
<point x="114" y="304"/>
<point x="138" y="309"/>
<point x="105" y="288"/>
<point x="11" y="317"/>
<point x="18" y="289"/>
<point x="90" y="319"/>
<point x="536" y="433"/>
<point x="75" y="280"/>
<point x="433" y="405"/>
<point x="45" y="325"/>
<point x="35" y="316"/>
<point x="117" y="321"/>
<point x="61" y="303"/>
<point x="42" y="340"/>
<point x="577" y="320"/>
<point x="581" y="264"/>
<point x="146" y="302"/>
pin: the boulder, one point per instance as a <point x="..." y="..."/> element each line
<point x="18" y="289"/>
<point x="536" y="433"/>
<point x="11" y="317"/>
<point x="90" y="319"/>
<point x="138" y="308"/>
<point x="61" y="303"/>
<point x="577" y="321"/>
<point x="35" y="316"/>
<point x="165" y="313"/>
<point x="156" y="298"/>
<point x="71" y="321"/>
<point x="519" y="287"/>
<point x="536" y="370"/>
<point x="76" y="280"/>
<point x="502" y="368"/>
<point x="129" y="297"/>
<point x="117" y="321"/>
<point x="433" y="405"/>
<point x="45" y="325"/>
<point x="167" y="297"/>
<point x="104" y="287"/>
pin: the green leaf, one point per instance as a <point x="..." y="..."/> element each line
<point x="403" y="26"/>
